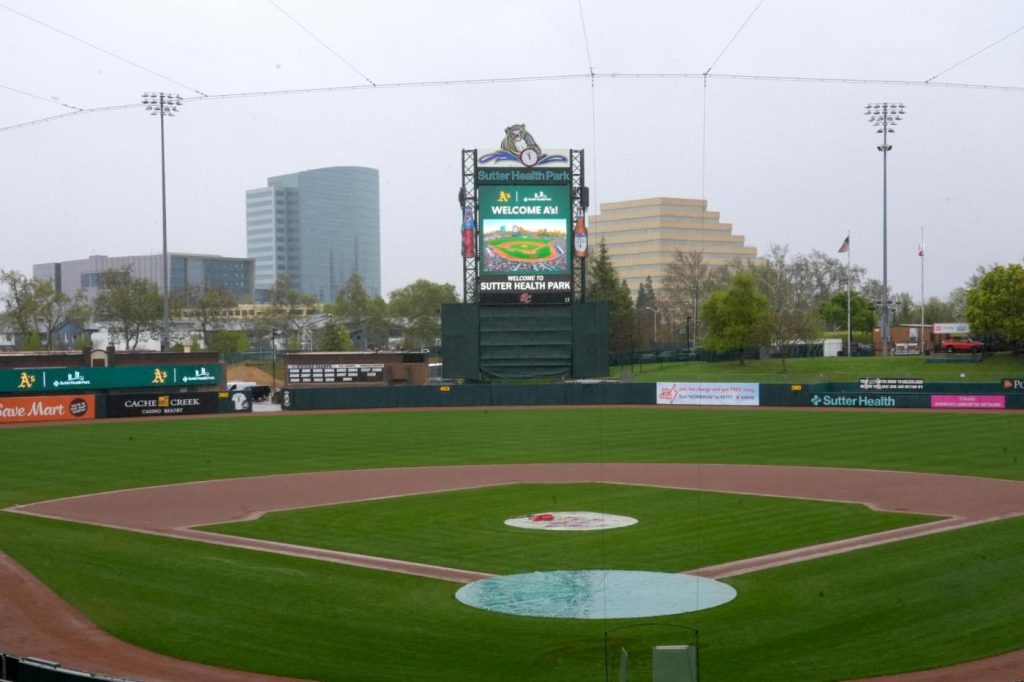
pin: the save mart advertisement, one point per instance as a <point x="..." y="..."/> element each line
<point x="52" y="379"/>
<point x="524" y="244"/>
<point x="48" y="408"/>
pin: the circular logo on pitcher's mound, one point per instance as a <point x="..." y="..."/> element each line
<point x="573" y="520"/>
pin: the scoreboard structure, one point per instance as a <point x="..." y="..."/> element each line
<point x="524" y="248"/>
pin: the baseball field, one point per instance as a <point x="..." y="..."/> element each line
<point x="147" y="572"/>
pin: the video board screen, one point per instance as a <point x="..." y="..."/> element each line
<point x="525" y="255"/>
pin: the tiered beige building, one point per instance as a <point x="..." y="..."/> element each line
<point x="643" y="235"/>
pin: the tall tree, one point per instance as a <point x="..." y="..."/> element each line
<point x="906" y="310"/>
<point x="737" y="317"/>
<point x="56" y="309"/>
<point x="361" y="312"/>
<point x="792" y="303"/>
<point x="689" y="280"/>
<point x="20" y="305"/>
<point x="132" y="307"/>
<point x="833" y="312"/>
<point x="603" y="284"/>
<point x="818" y="276"/>
<point x="209" y="309"/>
<point x="289" y="313"/>
<point x="332" y="336"/>
<point x="416" y="309"/>
<point x="995" y="306"/>
<point x="646" y="312"/>
<point x="937" y="310"/>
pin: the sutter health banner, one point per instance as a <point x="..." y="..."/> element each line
<point x="684" y="393"/>
<point x="50" y="408"/>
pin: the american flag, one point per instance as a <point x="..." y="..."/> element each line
<point x="845" y="246"/>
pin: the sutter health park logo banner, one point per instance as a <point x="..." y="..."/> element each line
<point x="49" y="408"/>
<point x="709" y="394"/>
<point x="524" y="244"/>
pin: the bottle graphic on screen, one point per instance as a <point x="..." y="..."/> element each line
<point x="579" y="237"/>
<point x="468" y="231"/>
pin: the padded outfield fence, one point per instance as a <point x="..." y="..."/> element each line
<point x="826" y="395"/>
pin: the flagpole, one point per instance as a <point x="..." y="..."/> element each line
<point x="920" y="252"/>
<point x="849" y="327"/>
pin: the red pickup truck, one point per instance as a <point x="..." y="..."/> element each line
<point x="962" y="346"/>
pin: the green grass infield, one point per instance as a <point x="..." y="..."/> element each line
<point x="676" y="529"/>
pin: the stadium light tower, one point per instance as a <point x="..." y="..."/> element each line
<point x="163" y="104"/>
<point x="655" y="311"/>
<point x="884" y="116"/>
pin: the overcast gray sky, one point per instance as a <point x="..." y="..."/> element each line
<point x="774" y="138"/>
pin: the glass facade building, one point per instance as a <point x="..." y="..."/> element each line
<point x="190" y="274"/>
<point x="317" y="228"/>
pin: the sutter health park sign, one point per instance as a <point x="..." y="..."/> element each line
<point x="86" y="378"/>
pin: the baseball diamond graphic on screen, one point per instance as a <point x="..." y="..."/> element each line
<point x="535" y="247"/>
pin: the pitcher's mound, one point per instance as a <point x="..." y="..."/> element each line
<point x="595" y="594"/>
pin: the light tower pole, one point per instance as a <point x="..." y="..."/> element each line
<point x="655" y="311"/>
<point x="163" y="104"/>
<point x="884" y="116"/>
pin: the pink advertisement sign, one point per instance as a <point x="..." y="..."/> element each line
<point x="969" y="402"/>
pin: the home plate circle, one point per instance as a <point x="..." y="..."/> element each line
<point x="570" y="520"/>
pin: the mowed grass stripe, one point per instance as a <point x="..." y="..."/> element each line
<point x="677" y="529"/>
<point x="47" y="462"/>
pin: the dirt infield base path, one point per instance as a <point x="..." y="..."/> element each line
<point x="174" y="510"/>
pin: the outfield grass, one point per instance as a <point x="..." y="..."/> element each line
<point x="918" y="603"/>
<point x="676" y="529"/>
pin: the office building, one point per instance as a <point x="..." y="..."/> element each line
<point x="643" y="235"/>
<point x="190" y="274"/>
<point x="317" y="228"/>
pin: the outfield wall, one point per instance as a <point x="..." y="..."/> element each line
<point x="469" y="395"/>
<point x="828" y="395"/>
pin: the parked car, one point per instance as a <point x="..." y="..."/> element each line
<point x="259" y="391"/>
<point x="860" y="350"/>
<point x="961" y="346"/>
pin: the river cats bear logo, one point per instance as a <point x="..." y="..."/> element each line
<point x="519" y="146"/>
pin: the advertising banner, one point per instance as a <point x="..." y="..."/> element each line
<point x="89" y="378"/>
<point x="166" y="405"/>
<point x="50" y="408"/>
<point x="969" y="402"/>
<point x="863" y="400"/>
<point x="891" y="384"/>
<point x="683" y="393"/>
<point x="1013" y="384"/>
<point x="524" y="244"/>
